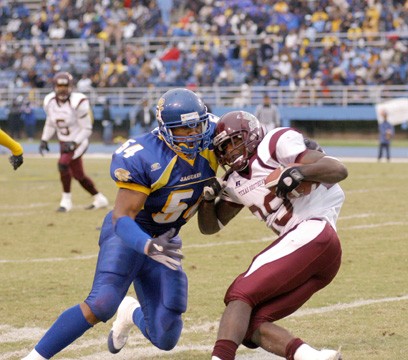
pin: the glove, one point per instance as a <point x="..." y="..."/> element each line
<point x="163" y="251"/>
<point x="16" y="161"/>
<point x="288" y="180"/>
<point x="68" y="146"/>
<point x="313" y="145"/>
<point x="212" y="188"/>
<point x="43" y="147"/>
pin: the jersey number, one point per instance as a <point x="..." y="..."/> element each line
<point x="175" y="206"/>
<point x="271" y="205"/>
<point x="128" y="149"/>
<point x="62" y="128"/>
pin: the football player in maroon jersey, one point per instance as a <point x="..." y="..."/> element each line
<point x="69" y="115"/>
<point x="307" y="254"/>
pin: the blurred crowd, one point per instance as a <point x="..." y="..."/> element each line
<point x="298" y="43"/>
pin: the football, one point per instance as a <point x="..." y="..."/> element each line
<point x="304" y="188"/>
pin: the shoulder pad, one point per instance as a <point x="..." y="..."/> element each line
<point x="76" y="99"/>
<point x="48" y="98"/>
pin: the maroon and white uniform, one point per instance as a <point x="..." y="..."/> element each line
<point x="72" y="120"/>
<point x="308" y="245"/>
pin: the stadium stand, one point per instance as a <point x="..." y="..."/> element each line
<point x="303" y="53"/>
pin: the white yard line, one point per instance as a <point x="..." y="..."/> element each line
<point x="207" y="245"/>
<point x="137" y="349"/>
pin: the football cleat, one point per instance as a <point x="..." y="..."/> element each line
<point x="330" y="355"/>
<point x="66" y="203"/>
<point x="122" y="325"/>
<point x="34" y="355"/>
<point x="100" y="201"/>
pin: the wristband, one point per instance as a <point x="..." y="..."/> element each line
<point x="131" y="233"/>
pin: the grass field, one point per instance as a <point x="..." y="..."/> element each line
<point x="47" y="262"/>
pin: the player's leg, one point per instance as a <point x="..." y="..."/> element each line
<point x="162" y="304"/>
<point x="77" y="169"/>
<point x="232" y="329"/>
<point x="278" y="270"/>
<point x="163" y="298"/>
<point x="380" y="151"/>
<point x="320" y="261"/>
<point x="162" y="294"/>
<point x="66" y="179"/>
<point x="115" y="269"/>
<point x="277" y="340"/>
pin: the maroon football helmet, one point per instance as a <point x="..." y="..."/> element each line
<point x="63" y="85"/>
<point x="244" y="131"/>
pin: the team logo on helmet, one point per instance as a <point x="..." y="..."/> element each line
<point x="160" y="108"/>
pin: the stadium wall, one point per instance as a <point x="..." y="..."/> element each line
<point x="314" y="120"/>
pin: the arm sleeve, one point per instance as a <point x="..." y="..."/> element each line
<point x="131" y="233"/>
<point x="6" y="140"/>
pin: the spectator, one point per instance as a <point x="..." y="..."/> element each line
<point x="145" y="116"/>
<point x="386" y="133"/>
<point x="166" y="7"/>
<point x="107" y="123"/>
<point x="268" y="114"/>
<point x="14" y="121"/>
<point x="29" y="120"/>
<point x="84" y="84"/>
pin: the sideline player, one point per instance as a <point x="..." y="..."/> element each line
<point x="16" y="158"/>
<point x="306" y="256"/>
<point x="161" y="176"/>
<point x="69" y="115"/>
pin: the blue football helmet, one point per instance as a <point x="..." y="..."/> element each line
<point x="183" y="108"/>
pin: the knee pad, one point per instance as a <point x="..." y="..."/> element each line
<point x="104" y="302"/>
<point x="175" y="290"/>
<point x="171" y="335"/>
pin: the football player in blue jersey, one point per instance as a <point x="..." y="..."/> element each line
<point x="161" y="176"/>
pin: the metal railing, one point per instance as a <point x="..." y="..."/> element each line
<point x="235" y="96"/>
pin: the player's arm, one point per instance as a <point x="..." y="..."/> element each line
<point x="16" y="159"/>
<point x="49" y="127"/>
<point x="128" y="203"/>
<point x="85" y="121"/>
<point x="215" y="214"/>
<point x="319" y="167"/>
<point x="14" y="146"/>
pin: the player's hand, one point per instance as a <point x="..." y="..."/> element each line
<point x="213" y="188"/>
<point x="313" y="145"/>
<point x="164" y="251"/>
<point x="288" y="180"/>
<point x="16" y="161"/>
<point x="68" y="146"/>
<point x="43" y="147"/>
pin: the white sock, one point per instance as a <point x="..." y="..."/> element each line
<point x="306" y="352"/>
<point x="34" y="355"/>
<point x="66" y="196"/>
<point x="215" y="358"/>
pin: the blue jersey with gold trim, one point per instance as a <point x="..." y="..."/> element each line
<point x="174" y="184"/>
